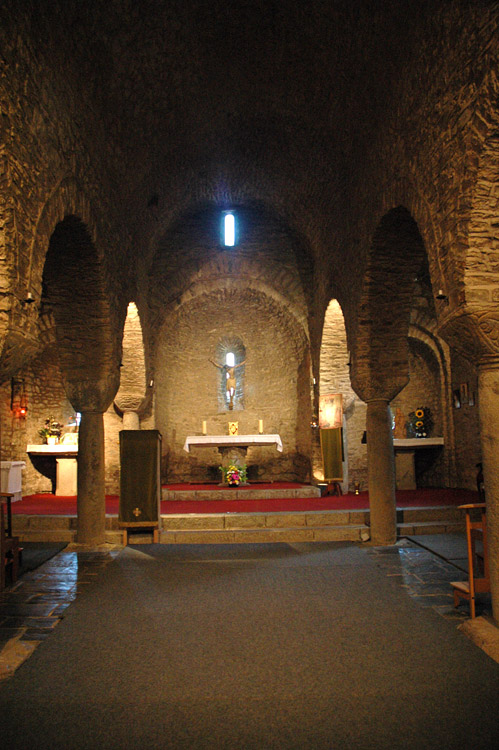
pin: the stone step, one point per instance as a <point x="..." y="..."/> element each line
<point x="240" y="493"/>
<point x="274" y="534"/>
<point x="239" y="527"/>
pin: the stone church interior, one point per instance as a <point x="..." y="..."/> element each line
<point x="351" y="152"/>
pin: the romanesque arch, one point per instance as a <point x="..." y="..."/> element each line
<point x="74" y="287"/>
<point x="379" y="347"/>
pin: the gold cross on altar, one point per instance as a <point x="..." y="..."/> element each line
<point x="136" y="512"/>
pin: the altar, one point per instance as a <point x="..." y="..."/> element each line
<point x="405" y="455"/>
<point x="232" y="448"/>
<point x="65" y="456"/>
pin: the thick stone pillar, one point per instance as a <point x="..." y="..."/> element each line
<point x="91" y="501"/>
<point x="488" y="400"/>
<point x="131" y="420"/>
<point x="381" y="472"/>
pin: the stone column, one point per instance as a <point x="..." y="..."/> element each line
<point x="488" y="400"/>
<point x="91" y="501"/>
<point x="131" y="420"/>
<point x="381" y="472"/>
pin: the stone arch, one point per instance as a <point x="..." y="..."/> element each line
<point x="424" y="328"/>
<point x="379" y="347"/>
<point x="65" y="200"/>
<point x="24" y="328"/>
<point x="74" y="288"/>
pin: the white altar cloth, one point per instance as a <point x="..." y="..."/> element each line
<point x="412" y="443"/>
<point x="232" y="441"/>
<point x="65" y="455"/>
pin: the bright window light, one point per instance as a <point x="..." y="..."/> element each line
<point x="229" y="230"/>
<point x="230" y="359"/>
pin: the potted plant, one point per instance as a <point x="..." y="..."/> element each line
<point x="51" y="431"/>
<point x="233" y="475"/>
<point x="421" y="422"/>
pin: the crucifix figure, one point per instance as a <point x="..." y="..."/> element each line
<point x="230" y="379"/>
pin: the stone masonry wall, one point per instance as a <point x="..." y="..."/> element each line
<point x="423" y="390"/>
<point x="466" y="426"/>
<point x="46" y="397"/>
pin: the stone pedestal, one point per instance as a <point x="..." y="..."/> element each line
<point x="404" y="470"/>
<point x="233" y="455"/>
<point x="66" y="472"/>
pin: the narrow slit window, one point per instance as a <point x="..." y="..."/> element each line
<point x="229" y="230"/>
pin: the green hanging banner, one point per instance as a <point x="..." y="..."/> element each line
<point x="332" y="454"/>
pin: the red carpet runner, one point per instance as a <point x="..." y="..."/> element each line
<point x="46" y="504"/>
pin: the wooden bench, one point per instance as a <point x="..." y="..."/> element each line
<point x="478" y="559"/>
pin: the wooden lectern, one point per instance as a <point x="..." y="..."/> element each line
<point x="140" y="481"/>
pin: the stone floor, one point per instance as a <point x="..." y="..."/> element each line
<point x="35" y="604"/>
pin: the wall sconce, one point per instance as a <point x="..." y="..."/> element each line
<point x="314" y="422"/>
<point x="441" y="295"/>
<point x="18" y="398"/>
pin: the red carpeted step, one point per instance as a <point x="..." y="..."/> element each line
<point x="46" y="504"/>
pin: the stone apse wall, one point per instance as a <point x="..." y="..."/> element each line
<point x="274" y="384"/>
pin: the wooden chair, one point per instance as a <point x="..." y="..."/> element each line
<point x="9" y="546"/>
<point x="478" y="559"/>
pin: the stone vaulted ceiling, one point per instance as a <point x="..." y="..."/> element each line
<point x="323" y="116"/>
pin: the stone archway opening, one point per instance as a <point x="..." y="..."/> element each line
<point x="132" y="392"/>
<point x="335" y="378"/>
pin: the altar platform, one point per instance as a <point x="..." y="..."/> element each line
<point x="243" y="519"/>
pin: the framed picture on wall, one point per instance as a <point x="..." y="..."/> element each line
<point x="331" y="411"/>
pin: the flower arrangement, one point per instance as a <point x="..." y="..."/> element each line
<point x="51" y="428"/>
<point x="421" y="422"/>
<point x="233" y="474"/>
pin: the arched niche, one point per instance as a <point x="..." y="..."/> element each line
<point x="230" y="352"/>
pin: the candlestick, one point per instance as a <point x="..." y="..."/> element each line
<point x="204" y="427"/>
<point x="260" y="426"/>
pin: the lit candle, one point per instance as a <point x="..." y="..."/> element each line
<point x="260" y="426"/>
<point x="204" y="427"/>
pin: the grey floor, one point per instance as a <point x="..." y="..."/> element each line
<point x="329" y="645"/>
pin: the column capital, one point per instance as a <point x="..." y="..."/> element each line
<point x="472" y="331"/>
<point x="92" y="395"/>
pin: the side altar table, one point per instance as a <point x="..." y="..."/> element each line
<point x="405" y="449"/>
<point x="233" y="448"/>
<point x="66" y="465"/>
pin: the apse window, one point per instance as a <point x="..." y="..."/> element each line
<point x="229" y="229"/>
